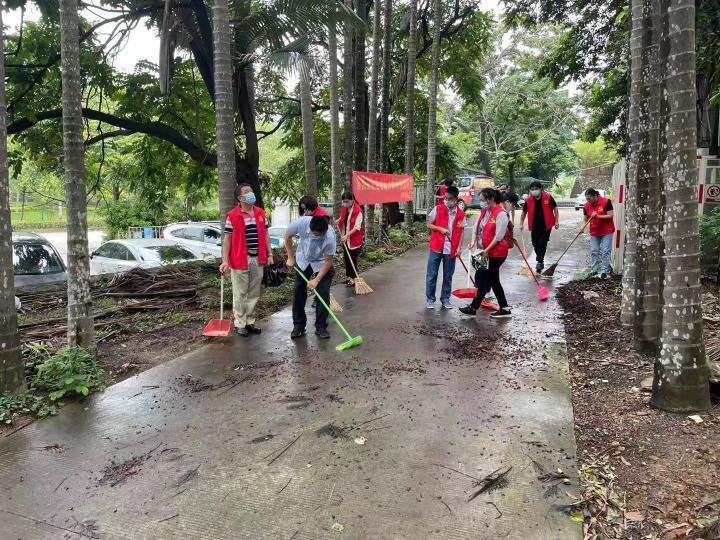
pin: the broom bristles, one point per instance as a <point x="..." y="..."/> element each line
<point x="361" y="286"/>
<point x="334" y="305"/>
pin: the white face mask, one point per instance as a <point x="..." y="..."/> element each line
<point x="484" y="204"/>
<point x="347" y="204"/>
<point x="450" y="203"/>
<point x="535" y="193"/>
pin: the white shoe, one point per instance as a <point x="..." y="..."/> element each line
<point x="447" y="306"/>
<point x="430" y="305"/>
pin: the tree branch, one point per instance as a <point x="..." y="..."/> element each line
<point x="108" y="135"/>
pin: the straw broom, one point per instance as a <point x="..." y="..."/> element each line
<point x="361" y="286"/>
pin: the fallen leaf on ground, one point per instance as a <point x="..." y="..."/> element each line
<point x="696" y="418"/>
<point x="338" y="527"/>
<point x="634" y="516"/>
<point x="360" y="440"/>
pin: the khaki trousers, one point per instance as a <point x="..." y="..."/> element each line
<point x="246" y="291"/>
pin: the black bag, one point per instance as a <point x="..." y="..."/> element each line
<point x="274" y="275"/>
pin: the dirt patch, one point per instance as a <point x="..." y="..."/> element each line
<point x="407" y="366"/>
<point x="333" y="431"/>
<point x="665" y="466"/>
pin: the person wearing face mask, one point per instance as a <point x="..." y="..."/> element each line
<point x="351" y="234"/>
<point x="245" y="250"/>
<point x="490" y="238"/>
<point x="542" y="212"/>
<point x="309" y="206"/>
<point x="315" y="254"/>
<point x="599" y="212"/>
<point x="446" y="223"/>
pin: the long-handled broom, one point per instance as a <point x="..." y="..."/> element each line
<point x="351" y="341"/>
<point x="361" y="286"/>
<point x="551" y="270"/>
<point x="523" y="269"/>
<point x="543" y="293"/>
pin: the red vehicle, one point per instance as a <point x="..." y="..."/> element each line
<point x="465" y="186"/>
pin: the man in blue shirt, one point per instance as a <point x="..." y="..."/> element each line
<point x="315" y="255"/>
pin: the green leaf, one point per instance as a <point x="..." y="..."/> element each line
<point x="338" y="527"/>
<point x="577" y="516"/>
<point x="54" y="396"/>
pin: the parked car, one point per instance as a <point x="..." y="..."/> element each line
<point x="36" y="261"/>
<point x="580" y="200"/>
<point x="478" y="184"/>
<point x="204" y="238"/>
<point x="123" y="255"/>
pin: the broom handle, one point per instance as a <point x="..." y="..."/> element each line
<point x="222" y="294"/>
<point x="522" y="252"/>
<point x="573" y="240"/>
<point x="350" y="257"/>
<point x="468" y="271"/>
<point x="320" y="298"/>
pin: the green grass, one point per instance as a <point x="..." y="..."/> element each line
<point x="47" y="218"/>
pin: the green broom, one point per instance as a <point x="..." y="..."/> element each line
<point x="351" y="341"/>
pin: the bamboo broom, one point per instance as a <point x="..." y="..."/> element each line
<point x="361" y="286"/>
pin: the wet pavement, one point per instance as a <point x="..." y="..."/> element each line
<point x="261" y="437"/>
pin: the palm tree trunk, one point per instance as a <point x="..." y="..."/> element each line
<point x="645" y="181"/>
<point x="348" y="99"/>
<point x="432" y="106"/>
<point x="681" y="372"/>
<point x="334" y="120"/>
<point x="385" y="99"/>
<point x="410" y="107"/>
<point x="359" y="65"/>
<point x="307" y="127"/>
<point x="12" y="370"/>
<point x="224" y="106"/>
<point x="81" y="329"/>
<point x="373" y="120"/>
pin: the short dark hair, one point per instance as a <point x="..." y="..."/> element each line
<point x="592" y="192"/>
<point x="490" y="193"/>
<point x="307" y="202"/>
<point x="448" y="182"/>
<point x="452" y="190"/>
<point x="347" y="196"/>
<point x="536" y="184"/>
<point x="319" y="224"/>
<point x="511" y="197"/>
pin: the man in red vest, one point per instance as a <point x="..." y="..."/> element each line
<point x="543" y="215"/>
<point x="599" y="211"/>
<point x="446" y="223"/>
<point x="246" y="249"/>
<point x="351" y="230"/>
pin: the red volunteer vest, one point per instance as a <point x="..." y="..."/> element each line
<point x="488" y="232"/>
<point x="356" y="239"/>
<point x="547" y="211"/>
<point x="238" y="246"/>
<point x="442" y="219"/>
<point x="599" y="227"/>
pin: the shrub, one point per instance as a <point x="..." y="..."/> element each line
<point x="25" y="403"/>
<point x="70" y="371"/>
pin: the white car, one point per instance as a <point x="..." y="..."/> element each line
<point x="204" y="238"/>
<point x="123" y="255"/>
<point x="580" y="201"/>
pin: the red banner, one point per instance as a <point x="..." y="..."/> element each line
<point x="378" y="188"/>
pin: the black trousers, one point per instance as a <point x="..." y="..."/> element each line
<point x="300" y="299"/>
<point x="489" y="278"/>
<point x="354" y="253"/>
<point x="540" y="241"/>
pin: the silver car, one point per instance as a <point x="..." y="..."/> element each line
<point x="123" y="255"/>
<point x="204" y="238"/>
<point x="36" y="261"/>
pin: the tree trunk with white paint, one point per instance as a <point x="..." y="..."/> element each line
<point x="335" y="172"/>
<point x="410" y="107"/>
<point x="432" y="105"/>
<point x="681" y="372"/>
<point x="307" y="126"/>
<point x="348" y="99"/>
<point x="12" y="367"/>
<point x="224" y="106"/>
<point x="80" y="328"/>
<point x="373" y="120"/>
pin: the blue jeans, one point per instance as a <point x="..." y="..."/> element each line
<point x="433" y="268"/>
<point x="600" y="249"/>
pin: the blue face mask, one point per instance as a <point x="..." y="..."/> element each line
<point x="250" y="198"/>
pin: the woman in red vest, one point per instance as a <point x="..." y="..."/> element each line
<point x="351" y="234"/>
<point x="599" y="212"/>
<point x="489" y="237"/>
<point x="245" y="250"/>
<point x="542" y="213"/>
<point x="446" y="223"/>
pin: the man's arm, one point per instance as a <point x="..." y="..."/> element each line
<point x="324" y="269"/>
<point x="225" y="264"/>
<point x="288" y="241"/>
<point x="522" y="216"/>
<point x="268" y="247"/>
<point x="556" y="213"/>
<point x="431" y="223"/>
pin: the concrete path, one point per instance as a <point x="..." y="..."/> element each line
<point x="260" y="438"/>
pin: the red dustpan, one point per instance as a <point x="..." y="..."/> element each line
<point x="470" y="292"/>
<point x="219" y="327"/>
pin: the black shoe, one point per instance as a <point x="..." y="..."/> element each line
<point x="503" y="313"/>
<point x="468" y="310"/>
<point x="251" y="328"/>
<point x="242" y="332"/>
<point x="539" y="268"/>
<point x="322" y="333"/>
<point x="297" y="333"/>
<point x="603" y="276"/>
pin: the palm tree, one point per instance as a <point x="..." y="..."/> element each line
<point x="305" y="87"/>
<point x="681" y="372"/>
<point x="348" y="59"/>
<point x="432" y="106"/>
<point x="224" y="107"/>
<point x="80" y="328"/>
<point x="373" y="120"/>
<point x="12" y="369"/>
<point x="385" y="99"/>
<point x="410" y="106"/>
<point x="334" y="119"/>
<point x="359" y="73"/>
